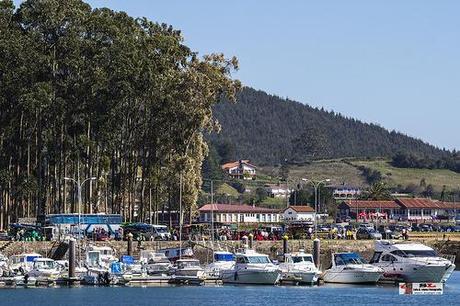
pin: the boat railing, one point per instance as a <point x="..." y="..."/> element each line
<point x="449" y="257"/>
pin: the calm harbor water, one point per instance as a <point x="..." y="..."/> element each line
<point x="228" y="295"/>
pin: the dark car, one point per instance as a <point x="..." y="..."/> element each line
<point x="368" y="233"/>
<point x="426" y="228"/>
<point x="5" y="237"/>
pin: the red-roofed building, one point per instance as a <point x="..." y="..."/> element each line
<point x="425" y="209"/>
<point x="368" y="209"/>
<point x="412" y="209"/>
<point x="241" y="169"/>
<point x="296" y="213"/>
<point x="238" y="213"/>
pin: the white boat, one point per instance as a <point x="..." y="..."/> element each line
<point x="174" y="254"/>
<point x="188" y="267"/>
<point x="107" y="254"/>
<point x="251" y="267"/>
<point x="411" y="262"/>
<point x="222" y="260"/>
<point x="350" y="268"/>
<point x="22" y="263"/>
<point x="299" y="267"/>
<point x="155" y="263"/>
<point x="45" y="268"/>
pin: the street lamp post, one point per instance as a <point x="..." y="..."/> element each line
<point x="316" y="185"/>
<point x="79" y="187"/>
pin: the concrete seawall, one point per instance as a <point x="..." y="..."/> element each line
<point x="273" y="248"/>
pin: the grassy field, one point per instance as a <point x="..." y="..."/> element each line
<point x="337" y="170"/>
<point x="404" y="176"/>
<point x="347" y="172"/>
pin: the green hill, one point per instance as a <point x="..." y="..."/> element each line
<point x="268" y="130"/>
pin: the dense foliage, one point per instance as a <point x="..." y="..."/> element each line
<point x="269" y="130"/>
<point x="409" y="160"/>
<point x="96" y="93"/>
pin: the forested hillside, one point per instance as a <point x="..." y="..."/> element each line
<point x="268" y="129"/>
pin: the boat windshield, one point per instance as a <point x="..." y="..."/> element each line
<point x="415" y="253"/>
<point x="349" y="258"/>
<point x="297" y="259"/>
<point x="258" y="259"/>
<point x="45" y="264"/>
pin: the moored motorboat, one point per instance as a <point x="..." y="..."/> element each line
<point x="45" y="268"/>
<point x="251" y="267"/>
<point x="411" y="262"/>
<point x="222" y="260"/>
<point x="350" y="268"/>
<point x="299" y="267"/>
<point x="187" y="267"/>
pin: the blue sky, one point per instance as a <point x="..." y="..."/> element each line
<point x="396" y="63"/>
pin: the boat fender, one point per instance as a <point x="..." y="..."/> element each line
<point x="236" y="275"/>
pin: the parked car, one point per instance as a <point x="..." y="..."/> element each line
<point x="367" y="233"/>
<point x="426" y="228"/>
<point x="145" y="231"/>
<point x="5" y="237"/>
<point x="367" y="225"/>
<point x="387" y="233"/>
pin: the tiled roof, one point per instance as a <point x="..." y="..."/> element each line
<point x="303" y="208"/>
<point x="363" y="204"/>
<point x="418" y="203"/>
<point x="236" y="164"/>
<point x="235" y="208"/>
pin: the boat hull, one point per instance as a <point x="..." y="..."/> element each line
<point x="260" y="277"/>
<point x="418" y="273"/>
<point x="300" y="277"/>
<point x="351" y="277"/>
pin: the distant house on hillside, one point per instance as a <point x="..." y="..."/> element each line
<point x="241" y="169"/>
<point x="343" y="192"/>
<point x="277" y="190"/>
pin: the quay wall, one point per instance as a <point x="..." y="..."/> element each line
<point x="204" y="253"/>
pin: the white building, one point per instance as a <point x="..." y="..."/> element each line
<point x="241" y="169"/>
<point x="299" y="214"/>
<point x="343" y="192"/>
<point x="277" y="191"/>
<point x="237" y="213"/>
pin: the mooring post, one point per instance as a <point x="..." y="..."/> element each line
<point x="71" y="258"/>
<point x="285" y="244"/>
<point x="251" y="240"/>
<point x="316" y="251"/>
<point x="130" y="244"/>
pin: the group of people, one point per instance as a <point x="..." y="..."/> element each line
<point x="341" y="233"/>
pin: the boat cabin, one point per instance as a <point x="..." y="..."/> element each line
<point x="343" y="259"/>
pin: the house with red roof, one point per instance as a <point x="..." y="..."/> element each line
<point x="241" y="169"/>
<point x="297" y="213"/>
<point x="238" y="213"/>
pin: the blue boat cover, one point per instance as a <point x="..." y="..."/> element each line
<point x="115" y="268"/>
<point x="129" y="260"/>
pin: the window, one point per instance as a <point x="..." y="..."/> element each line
<point x="415" y="253"/>
<point x="241" y="260"/>
<point x="375" y="257"/>
<point x="388" y="257"/>
<point x="259" y="259"/>
<point x="427" y="212"/>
